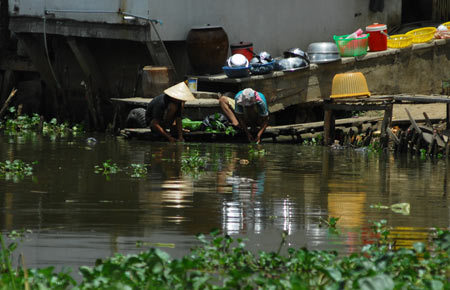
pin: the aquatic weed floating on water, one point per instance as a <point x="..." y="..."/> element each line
<point x="16" y="124"/>
<point x="139" y="170"/>
<point x="192" y="164"/>
<point x="221" y="262"/>
<point x="16" y="169"/>
<point x="107" y="168"/>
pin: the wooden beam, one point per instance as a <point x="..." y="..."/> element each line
<point x="88" y="63"/>
<point x="386" y="120"/>
<point x="6" y="85"/>
<point x="329" y="127"/>
<point x="34" y="47"/>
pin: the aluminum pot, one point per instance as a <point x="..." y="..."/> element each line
<point x="323" y="52"/>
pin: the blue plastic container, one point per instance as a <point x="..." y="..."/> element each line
<point x="236" y="72"/>
<point x="262" y="68"/>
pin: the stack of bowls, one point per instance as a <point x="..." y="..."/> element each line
<point x="323" y="52"/>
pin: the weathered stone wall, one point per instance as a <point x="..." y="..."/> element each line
<point x="418" y="69"/>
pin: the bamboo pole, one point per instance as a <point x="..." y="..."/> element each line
<point x="6" y="104"/>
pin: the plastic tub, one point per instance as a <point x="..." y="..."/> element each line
<point x="262" y="68"/>
<point x="422" y="35"/>
<point x="399" y="41"/>
<point x="236" y="72"/>
<point x="351" y="46"/>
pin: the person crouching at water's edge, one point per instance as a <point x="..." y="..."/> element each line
<point x="247" y="109"/>
<point x="165" y="111"/>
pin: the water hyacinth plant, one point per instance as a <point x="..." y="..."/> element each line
<point x="16" y="169"/>
<point x="222" y="262"/>
<point x="192" y="164"/>
<point x="139" y="170"/>
<point x="107" y="168"/>
<point x="17" y="124"/>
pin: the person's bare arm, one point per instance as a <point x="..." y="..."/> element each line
<point x="244" y="127"/>
<point x="263" y="128"/>
<point x="157" y="127"/>
<point x="179" y="125"/>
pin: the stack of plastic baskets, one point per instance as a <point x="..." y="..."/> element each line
<point x="351" y="46"/>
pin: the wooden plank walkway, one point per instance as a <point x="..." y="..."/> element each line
<point x="273" y="132"/>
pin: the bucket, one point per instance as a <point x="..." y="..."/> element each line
<point x="378" y="37"/>
<point x="155" y="79"/>
<point x="245" y="48"/>
<point x="192" y="84"/>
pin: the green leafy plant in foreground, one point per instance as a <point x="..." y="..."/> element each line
<point x="221" y="262"/>
<point x="16" y="169"/>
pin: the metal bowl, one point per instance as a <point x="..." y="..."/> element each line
<point x="323" y="52"/>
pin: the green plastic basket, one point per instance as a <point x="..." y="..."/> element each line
<point x="351" y="46"/>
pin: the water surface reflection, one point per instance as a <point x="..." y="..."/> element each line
<point x="77" y="215"/>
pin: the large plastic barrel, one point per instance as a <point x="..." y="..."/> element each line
<point x="207" y="48"/>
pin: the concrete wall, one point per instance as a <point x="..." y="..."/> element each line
<point x="271" y="25"/>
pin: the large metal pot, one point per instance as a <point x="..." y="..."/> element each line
<point x="323" y="52"/>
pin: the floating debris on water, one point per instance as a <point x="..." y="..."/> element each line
<point x="91" y="141"/>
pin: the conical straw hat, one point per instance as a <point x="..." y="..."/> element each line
<point x="180" y="92"/>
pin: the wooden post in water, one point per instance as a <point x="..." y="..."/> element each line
<point x="328" y="126"/>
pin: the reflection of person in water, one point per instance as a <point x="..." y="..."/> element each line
<point x="165" y="164"/>
<point x="247" y="178"/>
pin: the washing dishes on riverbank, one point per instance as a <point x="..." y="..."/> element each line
<point x="247" y="110"/>
<point x="165" y="111"/>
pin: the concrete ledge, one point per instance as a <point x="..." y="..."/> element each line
<point x="79" y="29"/>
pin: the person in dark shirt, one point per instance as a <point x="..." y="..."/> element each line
<point x="165" y="111"/>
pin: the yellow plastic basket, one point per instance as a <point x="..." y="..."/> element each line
<point x="447" y="24"/>
<point x="399" y="41"/>
<point x="421" y="35"/>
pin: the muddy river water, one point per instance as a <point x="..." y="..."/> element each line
<point x="76" y="215"/>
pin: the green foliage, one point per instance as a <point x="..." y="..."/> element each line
<point x="255" y="152"/>
<point x="423" y="154"/>
<point x="16" y="170"/>
<point x="314" y="141"/>
<point x="192" y="164"/>
<point x="16" y="124"/>
<point x="375" y="147"/>
<point x="221" y="262"/>
<point x="331" y="222"/>
<point x="23" y="278"/>
<point x="139" y="170"/>
<point x="381" y="228"/>
<point x="218" y="127"/>
<point x="107" y="168"/>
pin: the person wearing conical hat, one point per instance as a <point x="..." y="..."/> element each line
<point x="166" y="110"/>
<point x="247" y="109"/>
